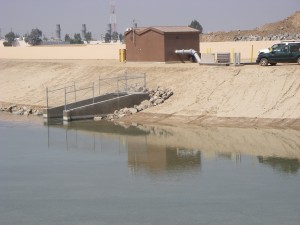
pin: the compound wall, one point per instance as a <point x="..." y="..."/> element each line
<point x="244" y="47"/>
<point x="111" y="51"/>
<point x="101" y="51"/>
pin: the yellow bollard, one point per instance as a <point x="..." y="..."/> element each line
<point x="122" y="55"/>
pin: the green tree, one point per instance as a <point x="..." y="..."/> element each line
<point x="115" y="36"/>
<point x="10" y="37"/>
<point x="34" y="38"/>
<point x="107" y="38"/>
<point x="77" y="39"/>
<point x="6" y="44"/>
<point x="195" y="24"/>
<point x="67" y="38"/>
<point x="88" y="37"/>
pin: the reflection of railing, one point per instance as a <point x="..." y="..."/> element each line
<point x="73" y="139"/>
<point x="117" y="84"/>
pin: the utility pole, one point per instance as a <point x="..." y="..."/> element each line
<point x="113" y="16"/>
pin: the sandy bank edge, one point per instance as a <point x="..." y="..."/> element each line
<point x="209" y="121"/>
<point x="192" y="121"/>
<point x="189" y="121"/>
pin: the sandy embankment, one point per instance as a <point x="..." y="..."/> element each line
<point x="203" y="95"/>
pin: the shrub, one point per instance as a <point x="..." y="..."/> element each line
<point x="7" y="44"/>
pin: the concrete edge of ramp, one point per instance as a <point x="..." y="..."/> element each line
<point x="104" y="107"/>
<point x="57" y="112"/>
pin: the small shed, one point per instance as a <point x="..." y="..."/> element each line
<point x="158" y="44"/>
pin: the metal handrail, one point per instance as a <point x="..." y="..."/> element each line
<point x="123" y="79"/>
<point x="57" y="89"/>
<point x="81" y="89"/>
<point x="62" y="87"/>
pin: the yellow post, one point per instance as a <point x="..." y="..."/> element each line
<point x="252" y="53"/>
<point x="122" y="55"/>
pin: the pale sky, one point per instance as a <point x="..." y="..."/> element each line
<point x="214" y="15"/>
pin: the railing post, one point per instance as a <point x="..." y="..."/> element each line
<point x="47" y="96"/>
<point x="65" y="98"/>
<point x="125" y="81"/>
<point x="99" y="85"/>
<point x="93" y="93"/>
<point x="118" y="85"/>
<point x="74" y="91"/>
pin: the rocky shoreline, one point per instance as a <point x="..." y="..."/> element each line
<point x="157" y="96"/>
<point x="21" y="110"/>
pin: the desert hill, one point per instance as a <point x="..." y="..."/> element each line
<point x="286" y="29"/>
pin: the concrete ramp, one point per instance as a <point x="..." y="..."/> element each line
<point x="100" y="105"/>
<point x="57" y="112"/>
<point x="104" y="107"/>
<point x="120" y="91"/>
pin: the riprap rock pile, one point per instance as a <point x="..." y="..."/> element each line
<point x="21" y="110"/>
<point x="156" y="97"/>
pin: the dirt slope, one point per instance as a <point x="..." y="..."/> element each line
<point x="289" y="25"/>
<point x="200" y="91"/>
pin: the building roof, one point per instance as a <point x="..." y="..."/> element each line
<point x="165" y="29"/>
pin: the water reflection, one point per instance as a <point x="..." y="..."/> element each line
<point x="166" y="149"/>
<point x="87" y="136"/>
<point x="290" y="166"/>
<point x="156" y="159"/>
<point x="142" y="155"/>
<point x="102" y="173"/>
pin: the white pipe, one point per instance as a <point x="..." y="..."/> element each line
<point x="189" y="52"/>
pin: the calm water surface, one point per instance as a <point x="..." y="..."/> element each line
<point x="90" y="173"/>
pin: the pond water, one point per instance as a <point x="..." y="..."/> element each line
<point x="98" y="173"/>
